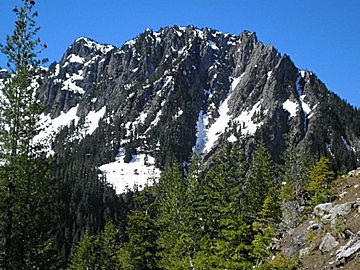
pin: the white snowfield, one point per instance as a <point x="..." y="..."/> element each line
<point x="140" y="171"/>
<point x="206" y="136"/>
<point x="291" y="107"/>
<point x="136" y="174"/>
<point x="216" y="129"/>
<point x="53" y="126"/>
<point x="70" y="83"/>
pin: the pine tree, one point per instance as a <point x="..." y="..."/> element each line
<point x="25" y="182"/>
<point x="296" y="173"/>
<point x="295" y="176"/>
<point x="85" y="255"/>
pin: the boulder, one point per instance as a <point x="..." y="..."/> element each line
<point x="349" y="251"/>
<point x="339" y="210"/>
<point x="328" y="243"/>
<point x="322" y="209"/>
<point x="354" y="173"/>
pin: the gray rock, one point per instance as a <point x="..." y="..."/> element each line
<point x="328" y="243"/>
<point x="329" y="212"/>
<point x="349" y="251"/>
<point x="354" y="173"/>
<point x="338" y="211"/>
<point x="322" y="209"/>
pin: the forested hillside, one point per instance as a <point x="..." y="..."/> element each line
<point x="184" y="148"/>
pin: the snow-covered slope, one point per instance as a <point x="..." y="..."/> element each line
<point x="170" y="93"/>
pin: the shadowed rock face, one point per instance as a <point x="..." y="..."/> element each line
<point x="157" y="87"/>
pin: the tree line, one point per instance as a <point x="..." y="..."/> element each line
<point x="222" y="214"/>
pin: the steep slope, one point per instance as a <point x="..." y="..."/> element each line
<point x="167" y="94"/>
<point x="330" y="237"/>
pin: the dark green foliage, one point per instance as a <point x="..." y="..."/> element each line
<point x="99" y="252"/>
<point x="321" y="177"/>
<point x="85" y="200"/>
<point x="200" y="221"/>
<point x="295" y="173"/>
<point x="26" y="185"/>
<point x="141" y="249"/>
<point x="172" y="219"/>
<point x="261" y="181"/>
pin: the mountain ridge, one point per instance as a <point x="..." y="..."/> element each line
<point x="165" y="94"/>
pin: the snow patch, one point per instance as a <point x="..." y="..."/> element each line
<point x="291" y="107"/>
<point x="213" y="45"/>
<point x="72" y="58"/>
<point x="169" y="79"/>
<point x="142" y="116"/>
<point x="57" y="70"/>
<point x="305" y="106"/>
<point x="179" y="113"/>
<point x="232" y="139"/>
<point x="155" y="121"/>
<point x="53" y="126"/>
<point x="268" y="75"/>
<point x="248" y="127"/>
<point x="99" y="47"/>
<point x="139" y="172"/>
<point x="92" y="121"/>
<point x="222" y="121"/>
<point x="130" y="42"/>
<point x="70" y="85"/>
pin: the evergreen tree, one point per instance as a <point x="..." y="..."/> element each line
<point x="321" y="176"/>
<point x="260" y="181"/>
<point x="85" y="255"/>
<point x="99" y="252"/>
<point x="296" y="173"/>
<point x="171" y="217"/>
<point x="25" y="182"/>
<point x="188" y="242"/>
<point x="225" y="241"/>
<point x="295" y="176"/>
<point x="140" y="251"/>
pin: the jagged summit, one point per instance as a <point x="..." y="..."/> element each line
<point x="168" y="93"/>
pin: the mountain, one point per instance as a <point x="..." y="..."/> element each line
<point x="115" y="118"/>
<point x="167" y="94"/>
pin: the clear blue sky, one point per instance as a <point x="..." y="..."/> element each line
<point x="319" y="35"/>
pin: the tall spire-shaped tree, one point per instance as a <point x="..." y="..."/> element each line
<point x="24" y="171"/>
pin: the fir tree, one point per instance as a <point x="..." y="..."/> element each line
<point x="140" y="251"/>
<point x="100" y="252"/>
<point x="25" y="182"/>
<point x="321" y="176"/>
<point x="261" y="180"/>
<point x="171" y="217"/>
<point x="85" y="256"/>
<point x="226" y="236"/>
<point x="296" y="173"/>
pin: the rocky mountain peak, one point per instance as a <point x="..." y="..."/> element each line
<point x="175" y="90"/>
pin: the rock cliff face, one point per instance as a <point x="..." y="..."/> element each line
<point x="167" y="94"/>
